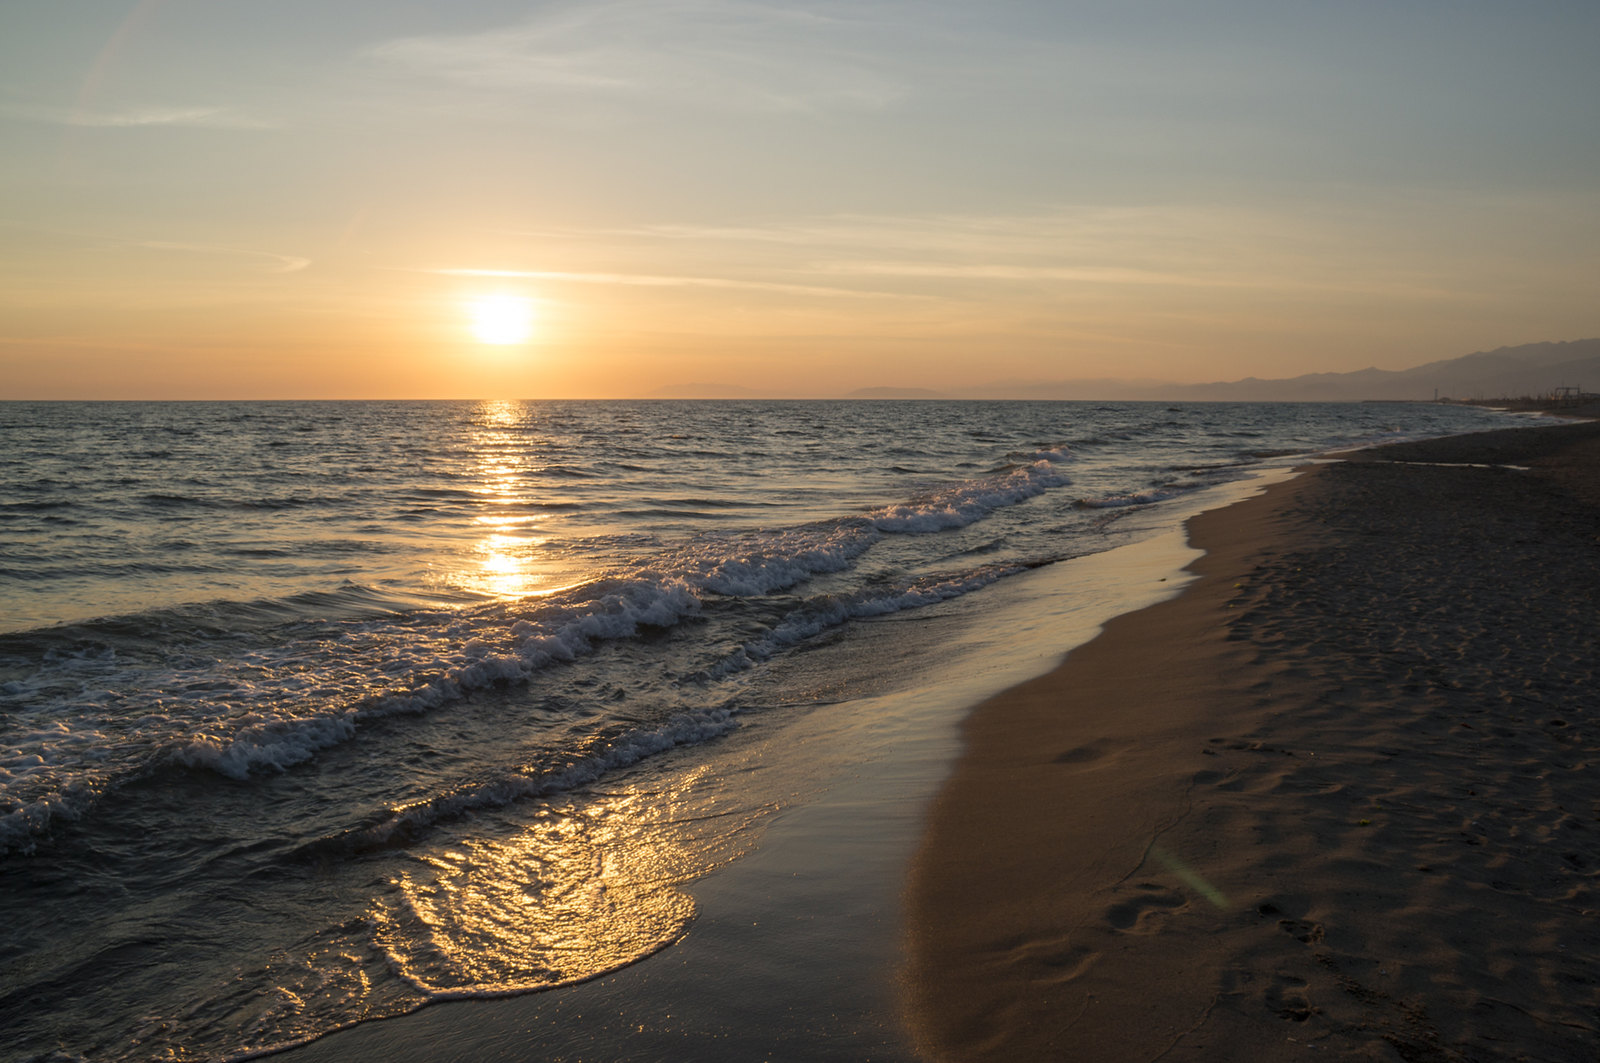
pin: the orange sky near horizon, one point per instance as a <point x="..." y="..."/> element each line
<point x="199" y="201"/>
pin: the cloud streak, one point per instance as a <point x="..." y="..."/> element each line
<point x="1080" y="275"/>
<point x="1339" y="252"/>
<point x="726" y="54"/>
<point x="278" y="263"/>
<point x="136" y="117"/>
<point x="645" y="280"/>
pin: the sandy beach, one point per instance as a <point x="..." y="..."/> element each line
<point x="1338" y="797"/>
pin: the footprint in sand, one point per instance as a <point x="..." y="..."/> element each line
<point x="1145" y="912"/>
<point x="1055" y="959"/>
<point x="1288" y="997"/>
<point x="1302" y="930"/>
<point x="1066" y="964"/>
<point x="1090" y="752"/>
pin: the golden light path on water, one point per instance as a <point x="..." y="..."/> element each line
<point x="510" y="562"/>
<point x="590" y="880"/>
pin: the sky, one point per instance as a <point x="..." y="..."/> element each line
<point x="620" y="198"/>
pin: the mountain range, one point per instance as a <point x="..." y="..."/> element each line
<point x="1531" y="369"/>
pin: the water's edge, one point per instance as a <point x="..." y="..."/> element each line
<point x="759" y="936"/>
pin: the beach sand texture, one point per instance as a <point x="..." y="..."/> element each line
<point x="1341" y="797"/>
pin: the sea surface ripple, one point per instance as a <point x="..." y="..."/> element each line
<point x="316" y="712"/>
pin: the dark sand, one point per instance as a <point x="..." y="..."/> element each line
<point x="1341" y="797"/>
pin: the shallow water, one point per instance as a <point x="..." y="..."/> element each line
<point x="317" y="712"/>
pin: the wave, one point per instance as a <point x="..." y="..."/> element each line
<point x="238" y="688"/>
<point x="964" y="503"/>
<point x="1131" y="498"/>
<point x="672" y="514"/>
<point x="819" y="614"/>
<point x="218" y="618"/>
<point x="49" y="505"/>
<point x="714" y="503"/>
<point x="490" y="656"/>
<point x="1051" y="452"/>
<point x="402" y="826"/>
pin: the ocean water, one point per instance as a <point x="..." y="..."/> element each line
<point x="315" y="713"/>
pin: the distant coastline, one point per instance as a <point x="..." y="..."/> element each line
<point x="1530" y="371"/>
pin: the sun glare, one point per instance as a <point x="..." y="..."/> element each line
<point x="502" y="319"/>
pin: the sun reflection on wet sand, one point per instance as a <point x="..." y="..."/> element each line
<point x="591" y="885"/>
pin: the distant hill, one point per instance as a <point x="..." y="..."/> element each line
<point x="1530" y="369"/>
<point x="704" y="390"/>
<point x="896" y="393"/>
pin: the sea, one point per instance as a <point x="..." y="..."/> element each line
<point x="315" y="713"/>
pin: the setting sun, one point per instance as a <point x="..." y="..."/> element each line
<point x="502" y="319"/>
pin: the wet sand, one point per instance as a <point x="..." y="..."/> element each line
<point x="796" y="946"/>
<point x="1342" y="796"/>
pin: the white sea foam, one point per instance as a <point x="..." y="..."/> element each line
<point x="359" y="549"/>
<point x="608" y="610"/>
<point x="964" y="503"/>
<point x="494" y="647"/>
<point x="1131" y="498"/>
<point x="267" y="686"/>
<point x="272" y="709"/>
<point x="820" y="614"/>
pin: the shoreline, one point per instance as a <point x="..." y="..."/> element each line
<point x="1333" y="796"/>
<point x="852" y="738"/>
<point x="812" y="916"/>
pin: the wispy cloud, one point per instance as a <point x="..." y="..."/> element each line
<point x="132" y="117"/>
<point x="646" y="280"/>
<point x="1082" y="275"/>
<point x="730" y="54"/>
<point x="1048" y="236"/>
<point x="1145" y="247"/>
<point x="274" y="263"/>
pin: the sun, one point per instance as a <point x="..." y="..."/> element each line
<point x="501" y="319"/>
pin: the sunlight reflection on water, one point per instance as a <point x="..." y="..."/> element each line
<point x="584" y="888"/>
<point x="509" y="561"/>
